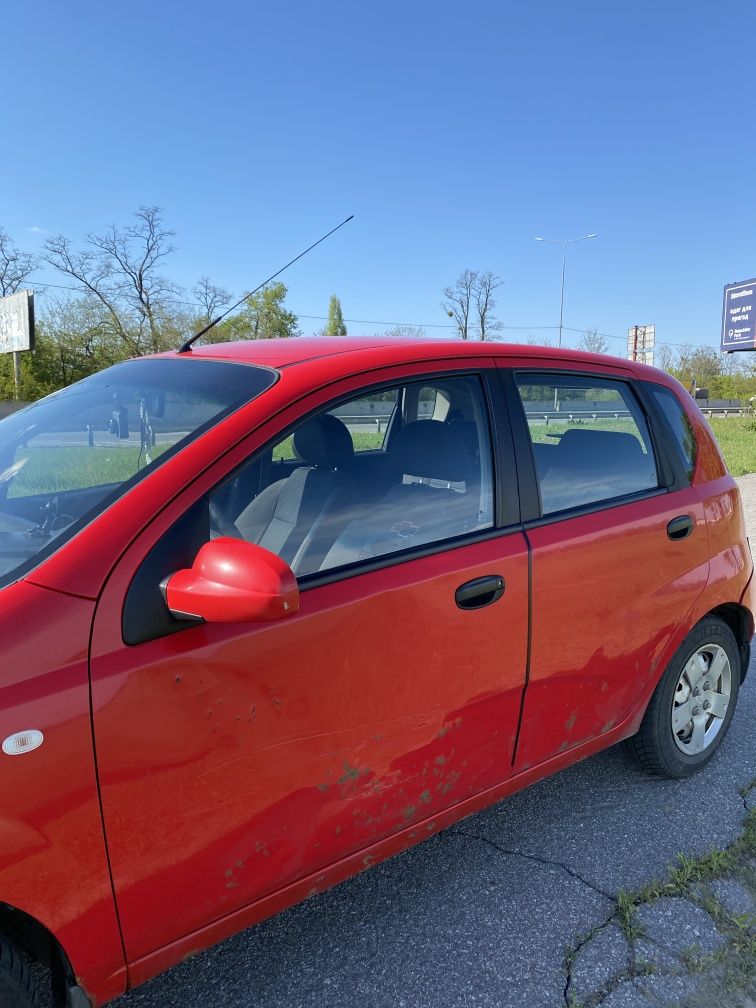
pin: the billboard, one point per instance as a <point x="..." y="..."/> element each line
<point x="640" y="343"/>
<point x="738" y="317"/>
<point x="17" y="322"/>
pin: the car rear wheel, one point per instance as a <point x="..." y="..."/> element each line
<point x="693" y="705"/>
<point x="17" y="988"/>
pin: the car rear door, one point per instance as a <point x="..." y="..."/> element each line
<point x="619" y="550"/>
<point x="236" y="759"/>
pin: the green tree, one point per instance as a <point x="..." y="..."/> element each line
<point x="335" y="326"/>
<point x="264" y="316"/>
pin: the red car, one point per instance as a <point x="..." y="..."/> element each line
<point x="274" y="611"/>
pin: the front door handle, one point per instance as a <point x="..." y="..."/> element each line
<point x="480" y="592"/>
<point x="680" y="527"/>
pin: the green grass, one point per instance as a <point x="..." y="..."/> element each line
<point x="53" y="470"/>
<point x="362" y="441"/>
<point x="737" y="439"/>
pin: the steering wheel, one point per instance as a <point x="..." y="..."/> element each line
<point x="222" y="525"/>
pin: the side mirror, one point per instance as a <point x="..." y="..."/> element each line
<point x="232" y="581"/>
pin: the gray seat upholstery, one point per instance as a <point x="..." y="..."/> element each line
<point x="413" y="513"/>
<point x="592" y="465"/>
<point x="300" y="517"/>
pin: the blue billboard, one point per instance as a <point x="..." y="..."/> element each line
<point x="739" y="317"/>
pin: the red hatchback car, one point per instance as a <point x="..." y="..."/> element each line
<point x="274" y="611"/>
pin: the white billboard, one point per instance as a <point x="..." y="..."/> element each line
<point x="17" y="322"/>
<point x="640" y="343"/>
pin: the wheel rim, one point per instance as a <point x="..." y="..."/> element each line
<point x="701" y="699"/>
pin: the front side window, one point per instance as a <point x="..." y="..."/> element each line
<point x="67" y="457"/>
<point x="589" y="437"/>
<point x="390" y="470"/>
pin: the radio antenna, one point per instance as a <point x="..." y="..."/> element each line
<point x="187" y="346"/>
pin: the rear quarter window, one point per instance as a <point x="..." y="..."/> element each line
<point x="679" y="422"/>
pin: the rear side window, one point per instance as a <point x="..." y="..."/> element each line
<point x="682" y="428"/>
<point x="590" y="440"/>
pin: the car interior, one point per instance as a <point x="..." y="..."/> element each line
<point x="424" y="479"/>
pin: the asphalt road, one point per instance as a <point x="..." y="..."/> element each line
<point x="484" y="913"/>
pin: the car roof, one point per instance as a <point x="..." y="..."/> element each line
<point x="284" y="353"/>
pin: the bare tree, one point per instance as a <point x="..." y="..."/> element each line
<point x="470" y="302"/>
<point x="485" y="285"/>
<point x="211" y="299"/>
<point x="459" y="301"/>
<point x="664" y="357"/>
<point x="594" y="342"/>
<point x="403" y="331"/>
<point x="532" y="340"/>
<point x="15" y="266"/>
<point x="121" y="269"/>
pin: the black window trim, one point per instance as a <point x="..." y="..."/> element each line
<point x="532" y="509"/>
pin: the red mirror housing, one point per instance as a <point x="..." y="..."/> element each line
<point x="232" y="581"/>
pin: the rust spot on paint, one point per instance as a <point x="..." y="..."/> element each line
<point x="276" y="701"/>
<point x="178" y="678"/>
<point x="323" y="787"/>
<point x="425" y="797"/>
<point x="604" y="687"/>
<point x="608" y="726"/>
<point x="312" y="892"/>
<point x="368" y="860"/>
<point x="410" y="812"/>
<point x="442" y="731"/>
<point x="440" y="760"/>
<point x="569" y="724"/>
<point x="451" y="780"/>
<point x="350" y="773"/>
<point x="563" y="746"/>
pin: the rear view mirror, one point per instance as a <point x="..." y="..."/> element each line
<point x="232" y="581"/>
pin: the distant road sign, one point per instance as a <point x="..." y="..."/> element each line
<point x="17" y="322"/>
<point x="640" y="343"/>
<point x="739" y="317"/>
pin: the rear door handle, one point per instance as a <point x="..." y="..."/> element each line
<point x="480" y="592"/>
<point x="680" y="527"/>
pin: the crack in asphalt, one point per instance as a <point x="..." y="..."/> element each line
<point x="538" y="860"/>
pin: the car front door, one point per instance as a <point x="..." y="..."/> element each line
<point x="236" y="759"/>
<point x="619" y="551"/>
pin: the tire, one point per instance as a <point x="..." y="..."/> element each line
<point x="17" y="988"/>
<point x="669" y="743"/>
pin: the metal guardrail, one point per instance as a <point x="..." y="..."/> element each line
<point x="727" y="410"/>
<point x="557" y="415"/>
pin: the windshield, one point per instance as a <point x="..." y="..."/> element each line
<point x="64" y="459"/>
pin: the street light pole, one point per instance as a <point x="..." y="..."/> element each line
<point x="564" y="244"/>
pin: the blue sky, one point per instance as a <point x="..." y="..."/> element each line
<point x="455" y="132"/>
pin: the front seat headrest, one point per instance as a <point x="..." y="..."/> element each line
<point x="324" y="442"/>
<point x="433" y="450"/>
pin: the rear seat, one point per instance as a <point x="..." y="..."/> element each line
<point x="589" y="465"/>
